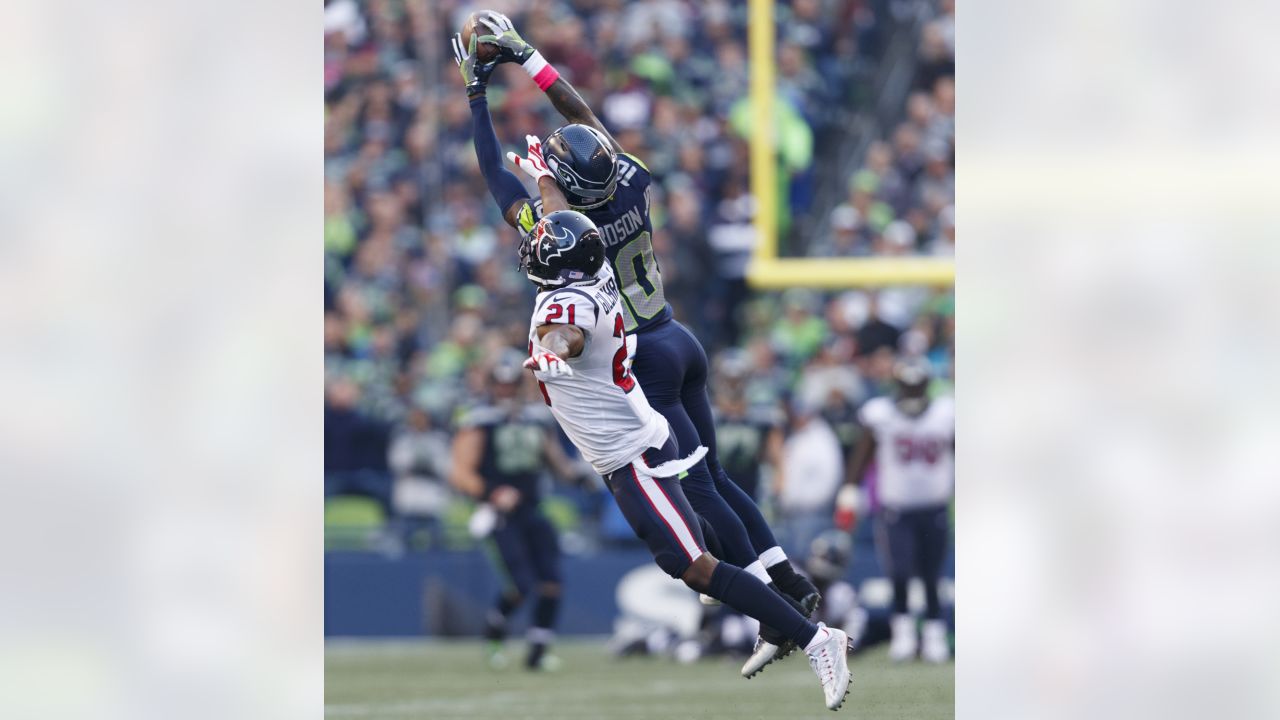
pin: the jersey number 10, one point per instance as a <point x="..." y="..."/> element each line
<point x="640" y="279"/>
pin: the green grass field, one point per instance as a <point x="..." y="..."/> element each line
<point x="436" y="680"/>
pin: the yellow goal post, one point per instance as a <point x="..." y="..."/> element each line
<point x="767" y="271"/>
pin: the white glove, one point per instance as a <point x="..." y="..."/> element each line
<point x="533" y="166"/>
<point x="549" y="363"/>
<point x="482" y="521"/>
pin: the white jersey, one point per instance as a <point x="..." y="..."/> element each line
<point x="601" y="407"/>
<point x="915" y="462"/>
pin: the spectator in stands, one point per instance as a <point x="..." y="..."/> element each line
<point x="419" y="457"/>
<point x="420" y="279"/>
<point x="355" y="447"/>
<point x="812" y="470"/>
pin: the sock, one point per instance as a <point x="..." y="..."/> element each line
<point x="539" y="639"/>
<point x="496" y="620"/>
<point x="795" y="605"/>
<point x="758" y="572"/>
<point x="791" y="582"/>
<point x="744" y="593"/>
<point x="545" y="609"/>
<point x="818" y="638"/>
<point x="773" y="556"/>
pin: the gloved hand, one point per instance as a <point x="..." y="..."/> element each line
<point x="849" y="502"/>
<point x="504" y="498"/>
<point x="475" y="74"/>
<point x="534" y="166"/>
<point x="482" y="521"/>
<point x="511" y="47"/>
<point x="549" y="363"/>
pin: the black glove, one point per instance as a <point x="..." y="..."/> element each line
<point x="475" y="74"/>
<point x="511" y="47"/>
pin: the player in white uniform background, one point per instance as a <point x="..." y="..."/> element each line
<point x="580" y="353"/>
<point x="912" y="439"/>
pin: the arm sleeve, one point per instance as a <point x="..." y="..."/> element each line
<point x="504" y="186"/>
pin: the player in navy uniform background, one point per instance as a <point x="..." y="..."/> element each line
<point x="749" y="435"/>
<point x="598" y="178"/>
<point x="499" y="455"/>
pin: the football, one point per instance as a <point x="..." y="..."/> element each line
<point x="485" y="52"/>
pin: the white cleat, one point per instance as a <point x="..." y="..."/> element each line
<point x="830" y="664"/>
<point x="902" y="644"/>
<point x="708" y="600"/>
<point x="762" y="654"/>
<point x="934" y="647"/>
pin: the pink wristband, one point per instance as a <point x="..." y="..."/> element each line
<point x="540" y="70"/>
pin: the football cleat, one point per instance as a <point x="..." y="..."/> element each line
<point x="546" y="663"/>
<point x="934" y="647"/>
<point x="497" y="658"/>
<point x="810" y="603"/>
<point x="770" y="646"/>
<point x="902" y="644"/>
<point x="830" y="663"/>
<point x="707" y="600"/>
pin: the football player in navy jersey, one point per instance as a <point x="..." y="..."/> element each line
<point x="498" y="457"/>
<point x="750" y="436"/>
<point x="595" y="176"/>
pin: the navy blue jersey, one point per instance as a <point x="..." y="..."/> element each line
<point x="513" y="450"/>
<point x="628" y="240"/>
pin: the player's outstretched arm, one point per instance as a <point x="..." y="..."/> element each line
<point x="863" y="451"/>
<point x="565" y="341"/>
<point x="534" y="166"/>
<point x="849" y="499"/>
<point x="467" y="451"/>
<point x="504" y="186"/>
<point x="563" y="96"/>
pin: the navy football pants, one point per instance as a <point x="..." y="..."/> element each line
<point x="913" y="543"/>
<point x="671" y="367"/>
<point x="658" y="512"/>
<point x="528" y="549"/>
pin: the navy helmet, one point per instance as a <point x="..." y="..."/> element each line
<point x="584" y="163"/>
<point x="564" y="247"/>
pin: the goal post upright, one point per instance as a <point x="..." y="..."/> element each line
<point x="767" y="271"/>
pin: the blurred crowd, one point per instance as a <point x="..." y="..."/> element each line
<point x="421" y="289"/>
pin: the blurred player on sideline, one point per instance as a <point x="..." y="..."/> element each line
<point x="912" y="440"/>
<point x="499" y="454"/>
<point x="750" y="436"/>
<point x="599" y="179"/>
<point x="581" y="354"/>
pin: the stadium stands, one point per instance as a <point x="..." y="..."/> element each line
<point x="420" y="283"/>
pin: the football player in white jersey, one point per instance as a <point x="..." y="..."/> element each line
<point x="580" y="353"/>
<point x="912" y="439"/>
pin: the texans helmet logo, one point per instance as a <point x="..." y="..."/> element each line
<point x="553" y="241"/>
